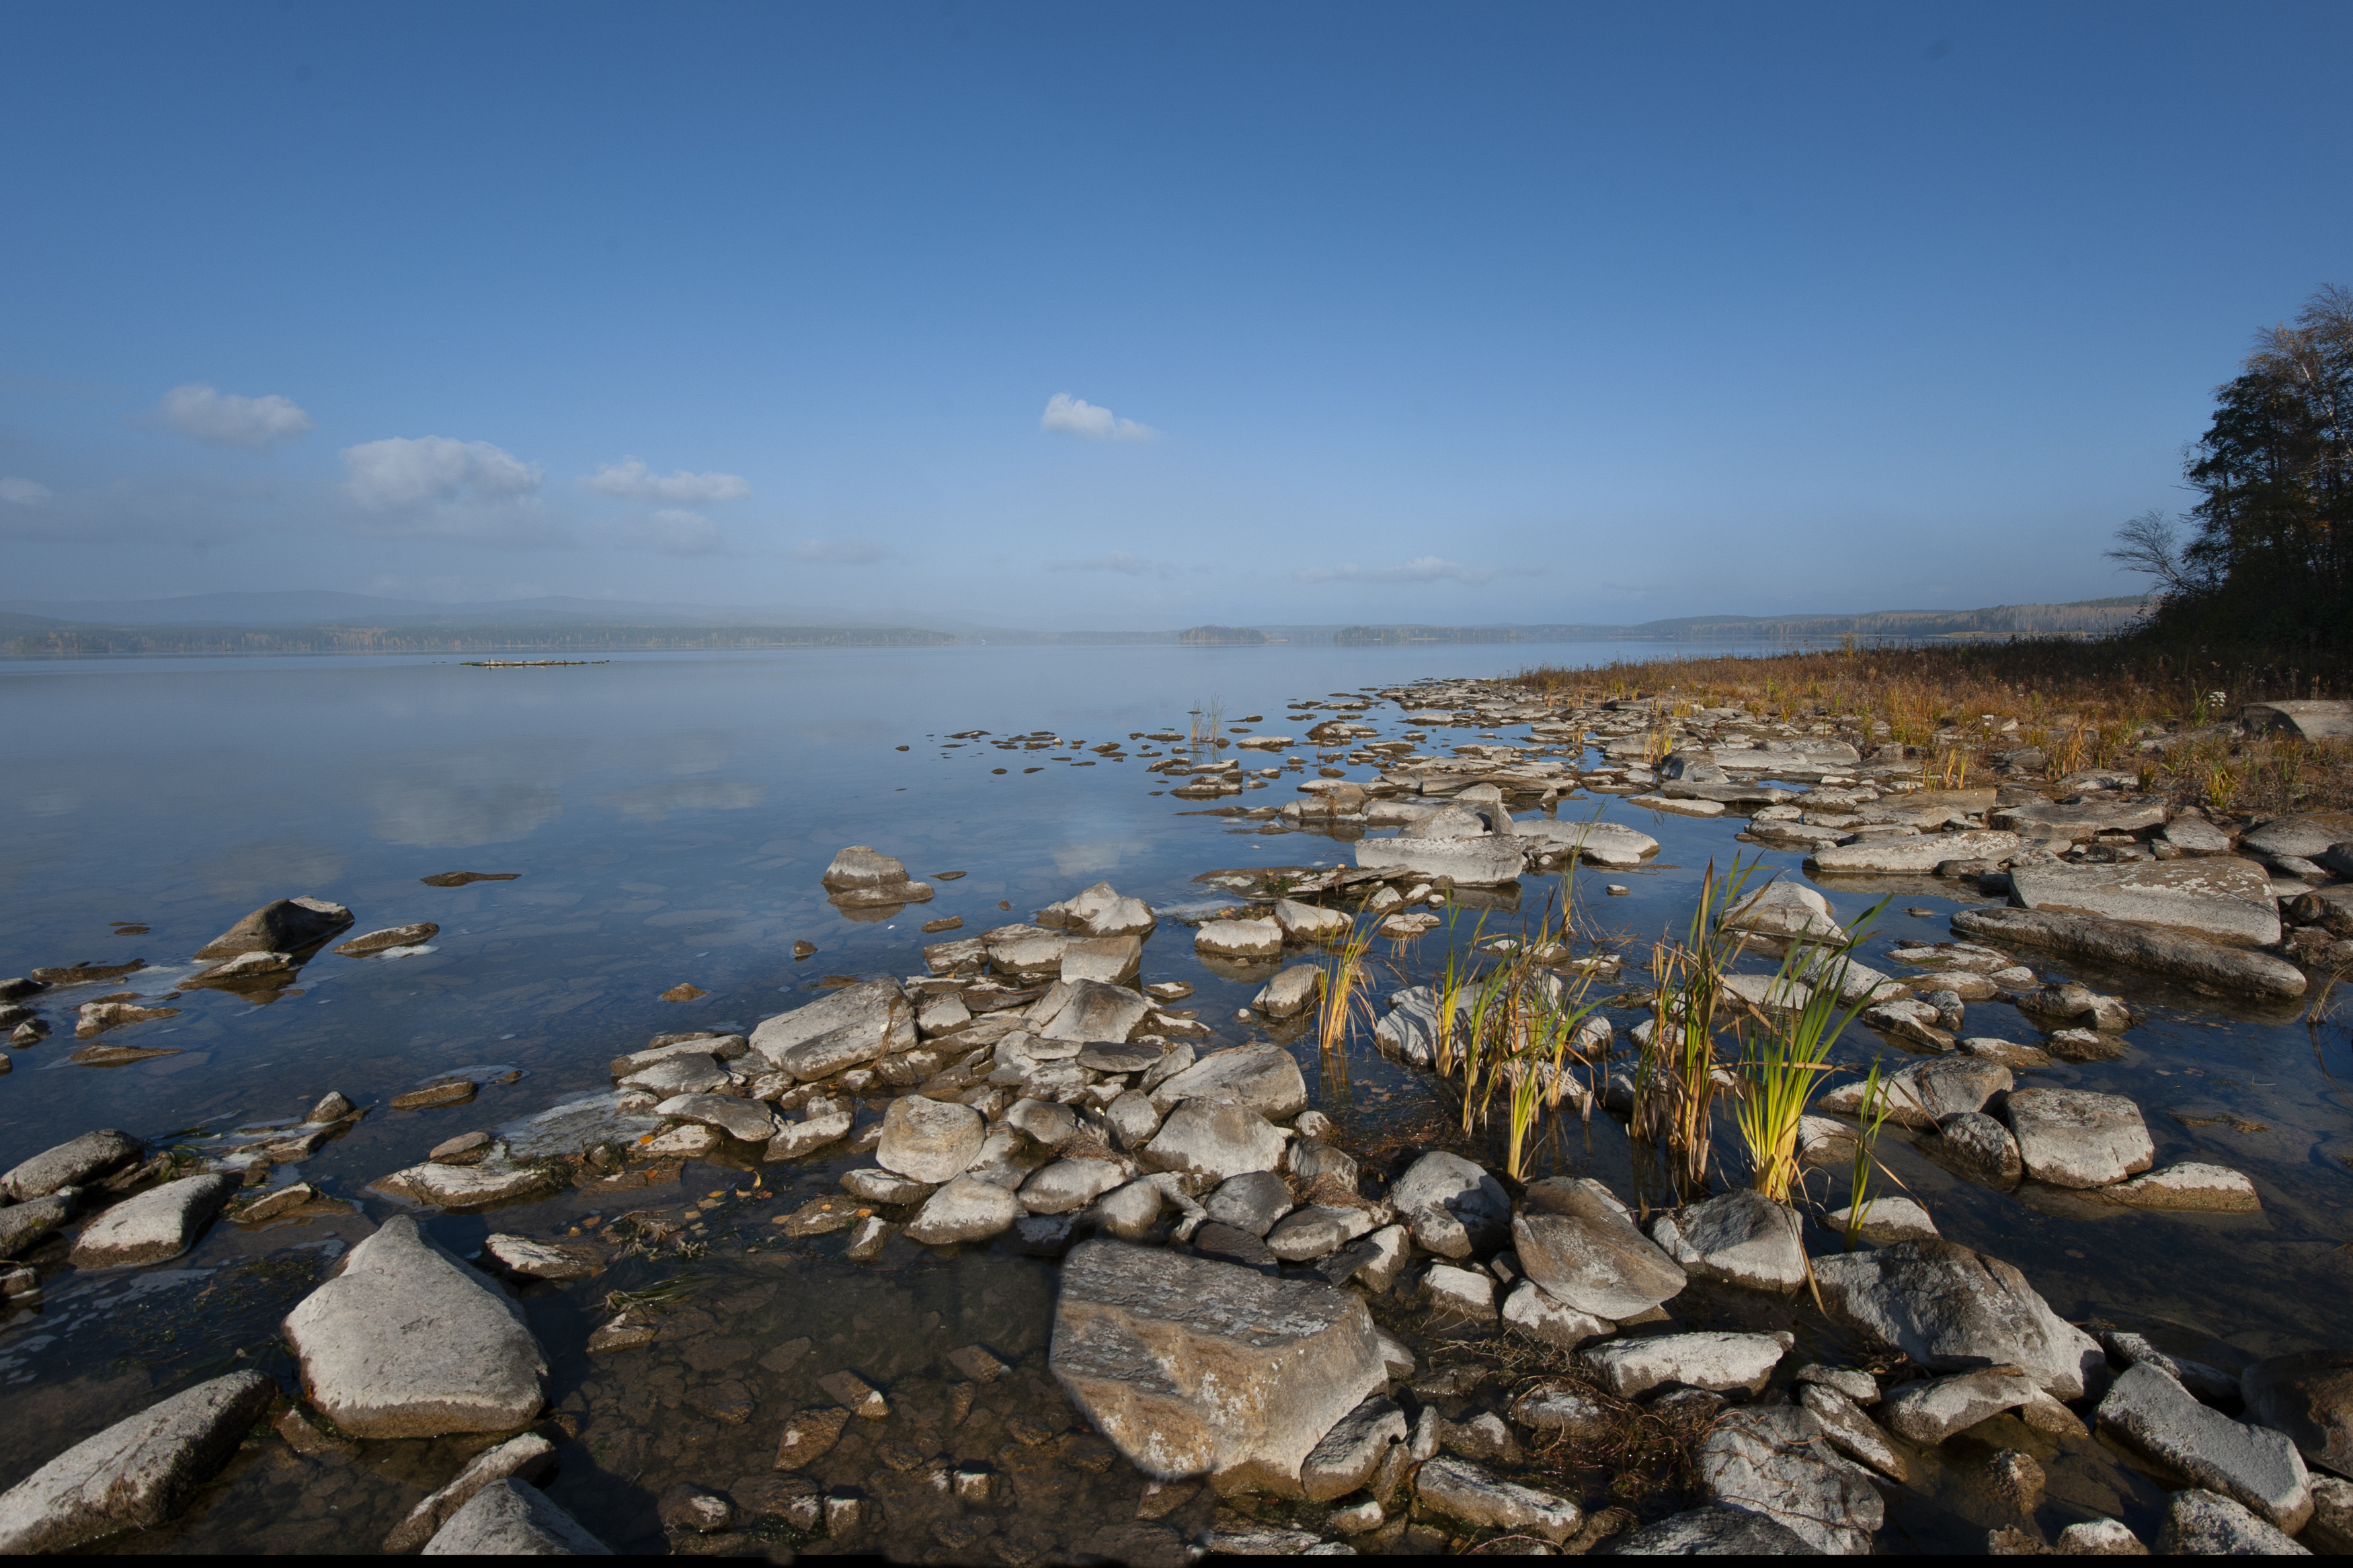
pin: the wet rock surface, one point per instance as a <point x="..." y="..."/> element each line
<point x="137" y="1473"/>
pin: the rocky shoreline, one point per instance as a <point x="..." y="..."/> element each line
<point x="1274" y="1341"/>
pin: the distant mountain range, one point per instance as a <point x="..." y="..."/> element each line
<point x="324" y="622"/>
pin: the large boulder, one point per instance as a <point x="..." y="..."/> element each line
<point x="288" y="925"/>
<point x="1952" y="1310"/>
<point x="1777" y="1461"/>
<point x="1192" y="1367"/>
<point x="1454" y="1207"/>
<point x="137" y="1473"/>
<point x="2153" y="1414"/>
<point x="1467" y="862"/>
<point x="73" y="1164"/>
<point x="2176" y="955"/>
<point x="1581" y="1245"/>
<point x="2073" y="1138"/>
<point x="1741" y="1238"/>
<point x="857" y="1024"/>
<point x="2320" y="718"/>
<point x="1264" y="1077"/>
<point x="406" y="1342"/>
<point x="2221" y="897"/>
<point x="160" y="1222"/>
<point x="933" y="1141"/>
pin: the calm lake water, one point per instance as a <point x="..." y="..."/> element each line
<point x="668" y="816"/>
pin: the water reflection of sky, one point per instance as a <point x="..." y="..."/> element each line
<point x="670" y="816"/>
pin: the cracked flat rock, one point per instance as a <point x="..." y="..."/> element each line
<point x="508" y="1519"/>
<point x="138" y="1472"/>
<point x="1469" y="862"/>
<point x="1465" y="1492"/>
<point x="406" y="1342"/>
<point x="1952" y="1310"/>
<point x="160" y="1222"/>
<point x="1194" y="1367"/>
<point x="2221" y="897"/>
<point x="2255" y="1466"/>
<point x="856" y="1025"/>
<point x="1777" y="1461"/>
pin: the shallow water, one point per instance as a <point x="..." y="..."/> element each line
<point x="668" y="816"/>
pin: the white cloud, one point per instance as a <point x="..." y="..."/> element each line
<point x="1125" y="563"/>
<point x="1421" y="569"/>
<point x="632" y="480"/>
<point x="670" y="532"/>
<point x="842" y="552"/>
<point x="436" y="487"/>
<point x="225" y="419"/>
<point x="1070" y="416"/>
<point x="24" y="492"/>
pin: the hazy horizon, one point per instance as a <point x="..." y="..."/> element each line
<point x="1054" y="318"/>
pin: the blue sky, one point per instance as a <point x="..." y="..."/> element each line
<point x="1450" y="313"/>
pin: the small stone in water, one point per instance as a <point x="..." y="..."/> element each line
<point x="856" y="1395"/>
<point x="977" y="1363"/>
<point x="466" y="1149"/>
<point x="1616" y="890"/>
<point x="953" y="923"/>
<point x="456" y="1091"/>
<point x="804" y="950"/>
<point x="683" y="993"/>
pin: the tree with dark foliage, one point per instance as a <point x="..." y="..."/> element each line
<point x="2269" y="557"/>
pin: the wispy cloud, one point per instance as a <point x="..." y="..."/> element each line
<point x="632" y="480"/>
<point x="225" y="419"/>
<point x="24" y="492"/>
<point x="842" y="552"/>
<point x="1421" y="569"/>
<point x="433" y="487"/>
<point x="1069" y="415"/>
<point x="1124" y="562"/>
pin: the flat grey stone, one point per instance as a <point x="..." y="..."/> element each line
<point x="2221" y="897"/>
<point x="1532" y="1311"/>
<point x="878" y="1186"/>
<point x="1854" y="1433"/>
<point x="2072" y="1137"/>
<point x="1261" y="1077"/>
<point x="1563" y="1407"/>
<point x="2257" y="1465"/>
<point x="1853" y="1382"/>
<point x="1885" y="1220"/>
<point x="2177" y="956"/>
<point x="965" y="1209"/>
<point x="1454" y="1209"/>
<point x="508" y="1519"/>
<point x="25" y="1225"/>
<point x="744" y="1119"/>
<point x="137" y="1473"/>
<point x="406" y="1342"/>
<point x="1741" y="1238"/>
<point x="1467" y="862"/>
<point x="1462" y="1491"/>
<point x="1345" y="1457"/>
<point x="855" y="1024"/>
<point x="1069" y="1185"/>
<point x="542" y="1259"/>
<point x="1093" y="1011"/>
<point x="1712" y="1359"/>
<point x="1205" y="1139"/>
<point x="2199" y="1523"/>
<point x="1050" y="1124"/>
<point x="1928" y="1412"/>
<point x="530" y="1457"/>
<point x="1317" y="1231"/>
<point x="1192" y="1367"/>
<point x="1578" y="1243"/>
<point x="1975" y="1145"/>
<point x="689" y="1072"/>
<point x="1715" y="1531"/>
<point x="74" y="1164"/>
<point x="1238" y="939"/>
<point x="1952" y="1310"/>
<point x="1597" y="843"/>
<point x="1786" y="909"/>
<point x="160" y="1222"/>
<point x="1776" y="1460"/>
<point x="1917" y="856"/>
<point x="930" y="1140"/>
<point x="2190" y="1187"/>
<point x="461" y="1188"/>
<point x="1292" y="992"/>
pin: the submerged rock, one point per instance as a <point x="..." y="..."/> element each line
<point x="391" y="936"/>
<point x="406" y="1342"/>
<point x="137" y="1473"/>
<point x="1198" y="1368"/>
<point x="2309" y="1396"/>
<point x="508" y="1519"/>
